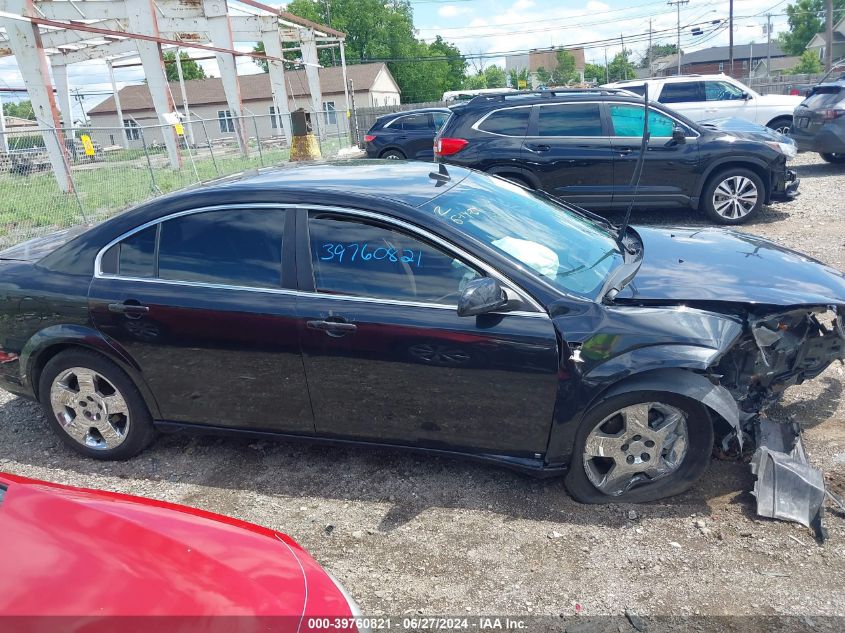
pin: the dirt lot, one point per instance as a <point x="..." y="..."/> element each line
<point x="410" y="534"/>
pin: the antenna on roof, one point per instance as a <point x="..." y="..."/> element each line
<point x="441" y="175"/>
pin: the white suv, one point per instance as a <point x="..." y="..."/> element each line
<point x="704" y="97"/>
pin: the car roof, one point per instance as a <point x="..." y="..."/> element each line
<point x="392" y="115"/>
<point x="669" y="80"/>
<point x="493" y="102"/>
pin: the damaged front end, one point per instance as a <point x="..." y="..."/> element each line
<point x="780" y="349"/>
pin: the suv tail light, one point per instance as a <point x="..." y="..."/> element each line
<point x="449" y="146"/>
<point x="369" y="138"/>
<point x="833" y="113"/>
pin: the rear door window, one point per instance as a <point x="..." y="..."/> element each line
<point x="239" y="247"/>
<point x="722" y="91"/>
<point x="571" y="119"/>
<point x="682" y="92"/>
<point x="627" y="120"/>
<point x="510" y="122"/>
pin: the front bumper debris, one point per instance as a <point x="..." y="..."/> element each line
<point x="787" y="487"/>
<point x="786" y="188"/>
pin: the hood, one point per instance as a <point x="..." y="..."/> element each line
<point x="741" y="128"/>
<point x="104" y="554"/>
<point x="694" y="264"/>
<point x="786" y="101"/>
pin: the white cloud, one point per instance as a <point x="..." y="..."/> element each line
<point x="522" y="5"/>
<point x="452" y="11"/>
<point x="595" y="5"/>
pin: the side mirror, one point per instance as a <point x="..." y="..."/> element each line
<point x="746" y="96"/>
<point x="678" y="134"/>
<point x="481" y="296"/>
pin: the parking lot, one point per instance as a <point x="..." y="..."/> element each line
<point x="412" y="534"/>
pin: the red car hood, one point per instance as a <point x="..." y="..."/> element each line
<point x="67" y="551"/>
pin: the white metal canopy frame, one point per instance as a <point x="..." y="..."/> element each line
<point x="46" y="35"/>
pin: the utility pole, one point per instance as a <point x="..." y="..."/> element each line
<point x="731" y="36"/>
<point x="648" y="51"/>
<point x="828" y="53"/>
<point x="768" y="46"/>
<point x="79" y="100"/>
<point x="678" y="4"/>
<point x="184" y="92"/>
<point x="606" y="68"/>
<point x="624" y="57"/>
<point x="329" y="23"/>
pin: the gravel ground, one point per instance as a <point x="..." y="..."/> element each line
<point x="411" y="534"/>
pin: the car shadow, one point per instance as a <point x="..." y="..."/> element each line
<point x="404" y="485"/>
<point x="819" y="170"/>
<point x="811" y="412"/>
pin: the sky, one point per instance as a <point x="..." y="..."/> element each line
<point x="494" y="27"/>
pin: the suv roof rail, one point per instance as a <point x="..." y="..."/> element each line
<point x="548" y="94"/>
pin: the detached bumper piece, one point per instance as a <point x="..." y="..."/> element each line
<point x="787" y="487"/>
<point x="786" y="187"/>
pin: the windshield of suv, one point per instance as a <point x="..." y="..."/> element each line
<point x="570" y="251"/>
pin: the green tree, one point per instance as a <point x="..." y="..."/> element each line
<point x="621" y="68"/>
<point x="517" y="77"/>
<point x="809" y="64"/>
<point x="544" y="76"/>
<point x="495" y="76"/>
<point x="190" y="68"/>
<point x="806" y="18"/>
<point x="476" y="81"/>
<point x="565" y="71"/>
<point x="595" y="72"/>
<point x="457" y="62"/>
<point x="657" y="50"/>
<point x="21" y="109"/>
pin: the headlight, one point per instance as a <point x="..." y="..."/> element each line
<point x="787" y="149"/>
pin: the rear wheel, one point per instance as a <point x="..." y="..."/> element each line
<point x="733" y="196"/>
<point x="393" y="154"/>
<point x="837" y="158"/>
<point x="94" y="407"/>
<point x="638" y="447"/>
<point x="781" y="124"/>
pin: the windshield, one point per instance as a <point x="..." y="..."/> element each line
<point x="571" y="252"/>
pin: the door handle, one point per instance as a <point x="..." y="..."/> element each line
<point x="131" y="308"/>
<point x="332" y="328"/>
<point x="538" y="148"/>
<point x="624" y="150"/>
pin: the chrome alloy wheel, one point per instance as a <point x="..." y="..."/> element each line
<point x="640" y="443"/>
<point x="735" y="197"/>
<point x="89" y="408"/>
<point x="783" y="129"/>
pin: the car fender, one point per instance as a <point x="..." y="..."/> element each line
<point x="738" y="161"/>
<point x="85" y="337"/>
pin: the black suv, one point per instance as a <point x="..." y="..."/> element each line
<point x="408" y="134"/>
<point x="583" y="146"/>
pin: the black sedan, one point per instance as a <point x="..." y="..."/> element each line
<point x="446" y="311"/>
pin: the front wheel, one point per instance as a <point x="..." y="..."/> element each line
<point x="836" y="158"/>
<point x="781" y="124"/>
<point x="393" y="154"/>
<point x="638" y="447"/>
<point x="733" y="196"/>
<point x="93" y="406"/>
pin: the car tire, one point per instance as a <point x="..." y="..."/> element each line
<point x="718" y="202"/>
<point x="835" y="158"/>
<point x="392" y="154"/>
<point x="678" y="454"/>
<point x="781" y="124"/>
<point x="94" y="407"/>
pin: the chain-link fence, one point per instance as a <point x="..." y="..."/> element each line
<point x="112" y="168"/>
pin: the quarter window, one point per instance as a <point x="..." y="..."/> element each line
<point x="133" y="257"/>
<point x="581" y="119"/>
<point x="361" y="259"/>
<point x="627" y="120"/>
<point x="240" y="247"/>
<point x="682" y="92"/>
<point x="510" y="122"/>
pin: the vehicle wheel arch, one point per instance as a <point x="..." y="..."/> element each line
<point x="781" y="117"/>
<point x="680" y="381"/>
<point x="52" y="341"/>
<point x="393" y="148"/>
<point x="758" y="167"/>
<point x="503" y="171"/>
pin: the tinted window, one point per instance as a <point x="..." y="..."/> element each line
<point x="823" y="98"/>
<point x="722" y="91"/>
<point x="513" y="122"/>
<point x="413" y="123"/>
<point x="682" y="92"/>
<point x="440" y="119"/>
<point x="578" y="119"/>
<point x="627" y="120"/>
<point x="241" y="247"/>
<point x="367" y="260"/>
<point x="137" y="254"/>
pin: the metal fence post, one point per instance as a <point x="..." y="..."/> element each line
<point x="208" y="143"/>
<point x="72" y="182"/>
<point x="154" y="187"/>
<point x="258" y="140"/>
<point x="354" y="117"/>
